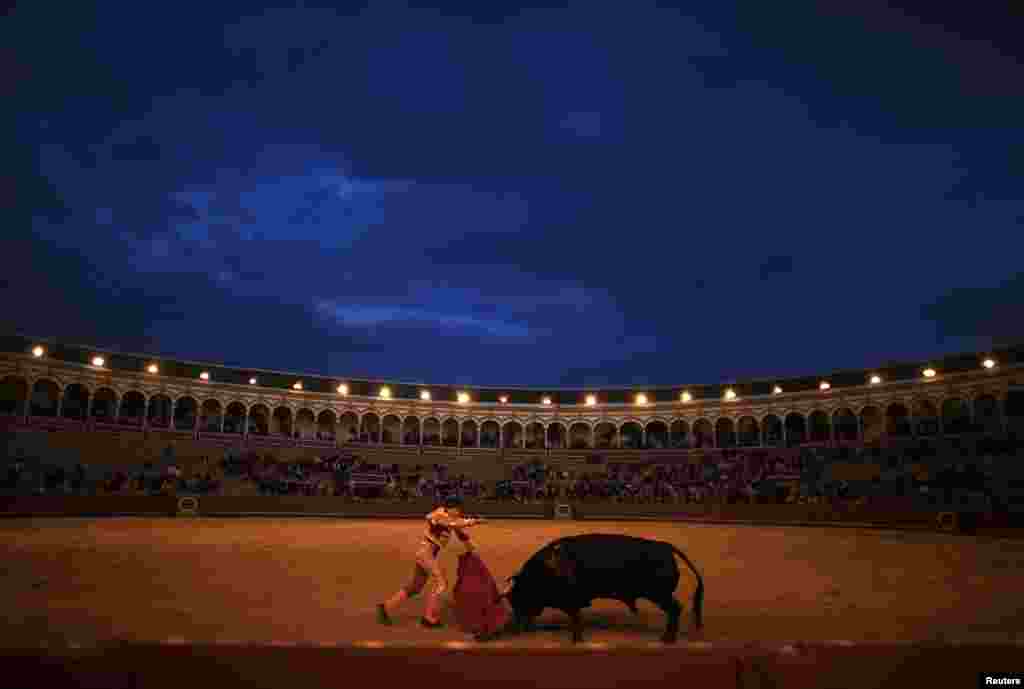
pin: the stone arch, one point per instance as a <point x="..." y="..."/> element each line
<point x="104" y="404"/>
<point x="725" y="432"/>
<point x="348" y="426"/>
<point x="470" y="433"/>
<point x="489" y="432"/>
<point x="772" y="431"/>
<point x="679" y="434"/>
<point x="326" y="421"/>
<point x="76" y="402"/>
<point x="369" y="428"/>
<point x="703" y="433"/>
<point x="605" y="435"/>
<point x="13" y="395"/>
<point x="259" y="419"/>
<point x="185" y="413"/>
<point x="159" y="411"/>
<point x="512" y="434"/>
<point x="897" y="420"/>
<point x="282" y="422"/>
<point x="450" y="432"/>
<point x="534" y="435"/>
<point x="45" y="397"/>
<point x="234" y="418"/>
<point x="1014" y="411"/>
<point x="133" y="408"/>
<point x="580" y="436"/>
<point x="431" y="431"/>
<point x="926" y="417"/>
<point x="657" y="434"/>
<point x="871" y="423"/>
<point x="557" y="436"/>
<point x="411" y="430"/>
<point x="956" y="416"/>
<point x="986" y="414"/>
<point x="631" y="433"/>
<point x="211" y="416"/>
<point x="748" y="431"/>
<point x="819" y="429"/>
<point x="391" y="430"/>
<point x="305" y="423"/>
<point x="796" y="429"/>
<point x="845" y="424"/>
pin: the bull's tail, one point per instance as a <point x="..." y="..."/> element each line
<point x="698" y="595"/>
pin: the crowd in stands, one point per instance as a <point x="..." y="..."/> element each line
<point x="955" y="471"/>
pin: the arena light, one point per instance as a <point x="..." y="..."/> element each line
<point x="463" y="398"/>
<point x="204" y="376"/>
<point x="153" y="368"/>
<point x="503" y="399"/>
<point x="989" y="363"/>
<point x="297" y="385"/>
<point x="425" y="395"/>
<point x="686" y="397"/>
<point x="824" y="385"/>
<point x="38" y="351"/>
<point x="876" y="379"/>
<point x="342" y="389"/>
<point x="252" y="381"/>
<point x="385" y="393"/>
<point x="97" y="361"/>
<point x="591" y="400"/>
<point x="546" y="400"/>
<point x="641" y="399"/>
<point x="777" y="390"/>
<point x="929" y="373"/>
<point x="730" y="394"/>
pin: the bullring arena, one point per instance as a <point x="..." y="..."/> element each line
<point x="260" y="580"/>
<point x="244" y="584"/>
<point x="111" y="587"/>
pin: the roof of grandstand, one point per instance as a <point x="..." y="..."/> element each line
<point x="82" y="355"/>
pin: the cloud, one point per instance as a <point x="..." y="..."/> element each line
<point x="776" y="265"/>
<point x="993" y="312"/>
<point x="364" y="316"/>
<point x="583" y="124"/>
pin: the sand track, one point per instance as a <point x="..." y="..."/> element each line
<point x="316" y="580"/>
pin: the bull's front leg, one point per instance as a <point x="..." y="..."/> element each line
<point x="576" y="625"/>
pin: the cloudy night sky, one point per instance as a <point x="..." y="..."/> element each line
<point x="605" y="194"/>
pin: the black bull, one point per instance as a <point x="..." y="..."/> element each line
<point x="568" y="574"/>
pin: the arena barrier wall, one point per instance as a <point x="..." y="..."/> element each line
<point x="240" y="506"/>
<point x="177" y="663"/>
<point x="286" y="505"/>
<point x="300" y="506"/>
<point x="87" y="506"/>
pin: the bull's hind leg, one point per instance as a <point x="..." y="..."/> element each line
<point x="672" y="609"/>
<point x="575" y="624"/>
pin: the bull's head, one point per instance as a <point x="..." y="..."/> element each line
<point x="530" y="590"/>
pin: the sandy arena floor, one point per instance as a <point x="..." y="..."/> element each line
<point x="316" y="580"/>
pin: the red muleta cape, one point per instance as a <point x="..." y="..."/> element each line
<point x="477" y="608"/>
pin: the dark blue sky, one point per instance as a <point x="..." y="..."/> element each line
<point x="582" y="196"/>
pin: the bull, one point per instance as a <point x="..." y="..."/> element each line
<point x="569" y="573"/>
